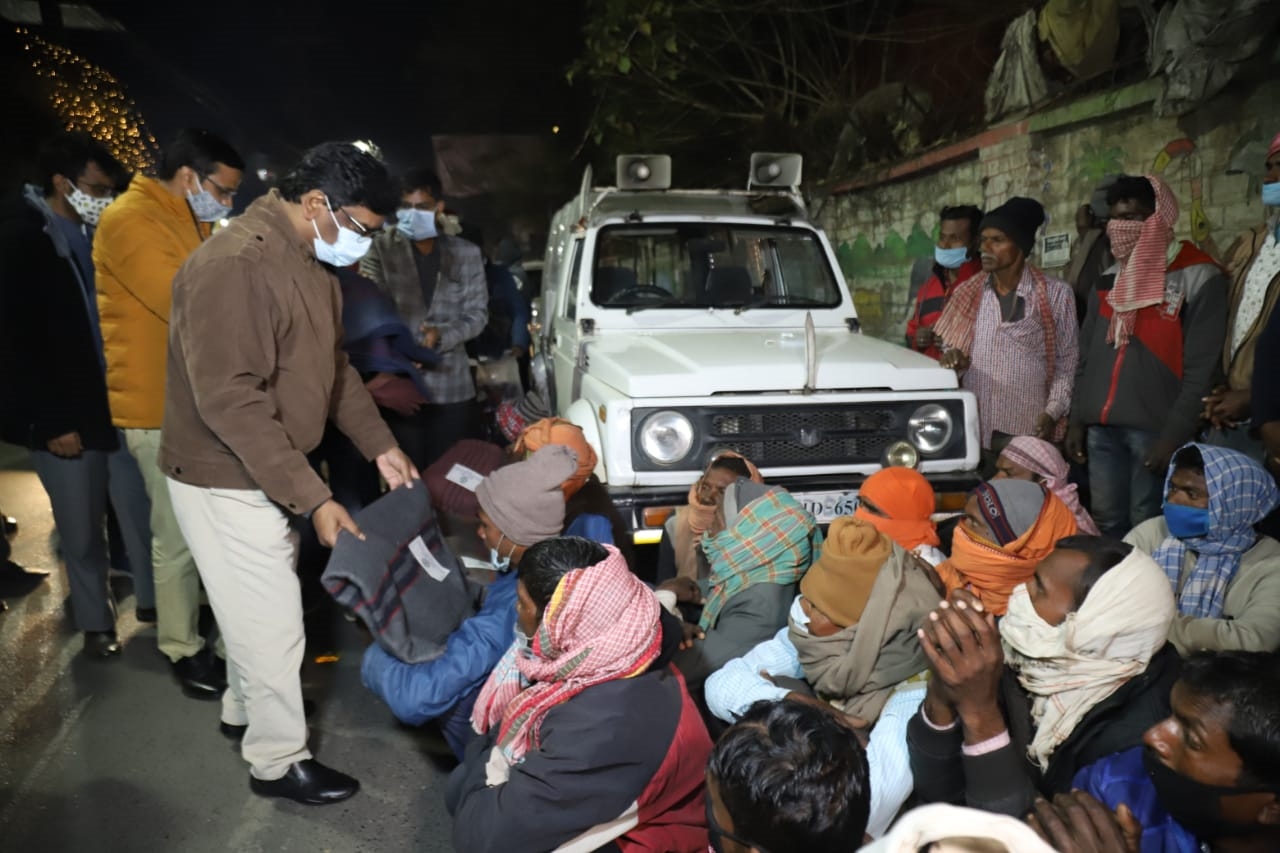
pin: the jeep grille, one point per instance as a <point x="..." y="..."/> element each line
<point x="798" y="434"/>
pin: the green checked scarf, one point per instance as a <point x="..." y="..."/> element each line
<point x="771" y="540"/>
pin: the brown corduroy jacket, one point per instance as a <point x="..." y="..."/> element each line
<point x="256" y="365"/>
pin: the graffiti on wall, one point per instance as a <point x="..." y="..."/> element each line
<point x="875" y="273"/>
<point x="884" y="277"/>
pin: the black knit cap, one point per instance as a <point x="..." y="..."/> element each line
<point x="1019" y="218"/>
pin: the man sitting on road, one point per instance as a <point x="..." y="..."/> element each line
<point x="851" y="641"/>
<point x="589" y="738"/>
<point x="1009" y="526"/>
<point x="788" y="776"/>
<point x="1074" y="672"/>
<point x="1225" y="575"/>
<point x="1208" y="776"/>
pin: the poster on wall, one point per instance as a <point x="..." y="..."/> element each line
<point x="1056" y="250"/>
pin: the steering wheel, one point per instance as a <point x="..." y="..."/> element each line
<point x="645" y="290"/>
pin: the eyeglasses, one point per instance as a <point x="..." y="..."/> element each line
<point x="219" y="190"/>
<point x="96" y="190"/>
<point x="362" y="229"/>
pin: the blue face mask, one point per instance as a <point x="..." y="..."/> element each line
<point x="951" y="259"/>
<point x="1271" y="194"/>
<point x="416" y="224"/>
<point x="1186" y="522"/>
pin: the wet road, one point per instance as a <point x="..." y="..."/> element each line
<point x="109" y="756"/>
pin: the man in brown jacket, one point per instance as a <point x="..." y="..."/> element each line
<point x="256" y="367"/>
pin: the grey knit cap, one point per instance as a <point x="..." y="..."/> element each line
<point x="524" y="500"/>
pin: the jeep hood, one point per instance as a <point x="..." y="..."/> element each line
<point x="699" y="363"/>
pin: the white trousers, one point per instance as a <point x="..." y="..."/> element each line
<point x="247" y="556"/>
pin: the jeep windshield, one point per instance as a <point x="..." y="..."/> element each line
<point x="700" y="265"/>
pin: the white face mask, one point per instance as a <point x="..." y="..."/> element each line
<point x="88" y="208"/>
<point x="416" y="224"/>
<point x="496" y="559"/>
<point x="799" y="618"/>
<point x="204" y="206"/>
<point x="524" y="643"/>
<point x="349" y="248"/>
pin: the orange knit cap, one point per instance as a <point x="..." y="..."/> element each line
<point x="559" y="431"/>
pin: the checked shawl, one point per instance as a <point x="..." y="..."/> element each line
<point x="772" y="540"/>
<point x="1241" y="493"/>
<point x="602" y="624"/>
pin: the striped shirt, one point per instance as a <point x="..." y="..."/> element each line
<point x="1007" y="370"/>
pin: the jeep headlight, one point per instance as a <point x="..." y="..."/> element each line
<point x="666" y="437"/>
<point x="930" y="428"/>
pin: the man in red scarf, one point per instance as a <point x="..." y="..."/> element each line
<point x="589" y="737"/>
<point x="1150" y="345"/>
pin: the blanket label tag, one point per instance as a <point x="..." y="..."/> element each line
<point x="429" y="563"/>
<point x="465" y="477"/>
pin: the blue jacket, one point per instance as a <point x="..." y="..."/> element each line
<point x="418" y="692"/>
<point x="1120" y="778"/>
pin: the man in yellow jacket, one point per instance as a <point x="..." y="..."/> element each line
<point x="142" y="240"/>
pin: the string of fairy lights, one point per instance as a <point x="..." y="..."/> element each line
<point x="87" y="98"/>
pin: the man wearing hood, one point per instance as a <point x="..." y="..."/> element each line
<point x="1009" y="526"/>
<point x="1226" y="575"/>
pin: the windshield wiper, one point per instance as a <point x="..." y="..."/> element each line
<point x="784" y="299"/>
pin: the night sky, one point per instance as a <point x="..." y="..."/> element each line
<point x="276" y="76"/>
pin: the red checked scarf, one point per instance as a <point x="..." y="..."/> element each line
<point x="1142" y="250"/>
<point x="602" y="624"/>
<point x="960" y="319"/>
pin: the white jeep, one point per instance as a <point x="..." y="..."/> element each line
<point x="676" y="324"/>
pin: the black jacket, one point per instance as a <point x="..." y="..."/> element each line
<point x="1005" y="781"/>
<point x="51" y="379"/>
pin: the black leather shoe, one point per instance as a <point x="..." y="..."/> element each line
<point x="101" y="644"/>
<point x="235" y="732"/>
<point x="307" y="782"/>
<point x="145" y="615"/>
<point x="199" y="677"/>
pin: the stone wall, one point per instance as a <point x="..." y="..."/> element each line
<point x="882" y="226"/>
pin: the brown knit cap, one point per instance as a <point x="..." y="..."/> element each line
<point x="839" y="582"/>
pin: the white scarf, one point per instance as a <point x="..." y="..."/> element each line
<point x="938" y="823"/>
<point x="1069" y="668"/>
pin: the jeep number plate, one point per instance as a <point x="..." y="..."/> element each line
<point x="827" y="506"/>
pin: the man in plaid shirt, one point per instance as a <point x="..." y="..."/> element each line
<point x="437" y="282"/>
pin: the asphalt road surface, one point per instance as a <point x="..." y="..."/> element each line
<point x="110" y="756"/>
